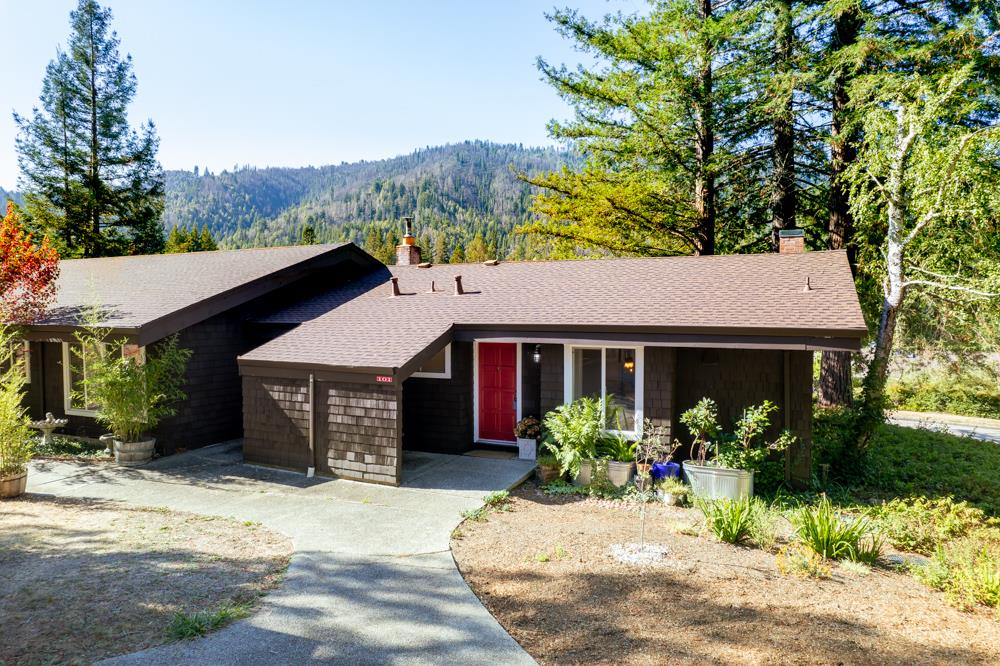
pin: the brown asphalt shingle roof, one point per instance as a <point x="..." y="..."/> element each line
<point x="360" y="326"/>
<point x="134" y="292"/>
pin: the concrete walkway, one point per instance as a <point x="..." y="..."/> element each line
<point x="987" y="430"/>
<point x="372" y="579"/>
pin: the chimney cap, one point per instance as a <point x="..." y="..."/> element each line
<point x="792" y="233"/>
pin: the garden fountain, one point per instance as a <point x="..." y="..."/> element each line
<point x="48" y="425"/>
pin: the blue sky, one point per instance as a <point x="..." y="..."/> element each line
<point x="303" y="82"/>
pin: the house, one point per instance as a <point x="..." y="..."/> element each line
<point x="207" y="298"/>
<point x="341" y="364"/>
<point x="443" y="358"/>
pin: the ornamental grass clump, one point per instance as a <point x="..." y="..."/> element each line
<point x="740" y="521"/>
<point x="132" y="394"/>
<point x="16" y="442"/>
<point x="832" y="537"/>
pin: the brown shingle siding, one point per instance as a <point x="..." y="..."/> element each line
<point x="276" y="428"/>
<point x="361" y="436"/>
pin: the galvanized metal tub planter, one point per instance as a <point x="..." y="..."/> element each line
<point x="620" y="473"/>
<point x="586" y="474"/>
<point x="715" y="482"/>
<point x="14" y="485"/>
<point x="527" y="449"/>
<point x="134" y="453"/>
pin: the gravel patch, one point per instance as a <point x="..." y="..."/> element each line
<point x="82" y="580"/>
<point x="705" y="602"/>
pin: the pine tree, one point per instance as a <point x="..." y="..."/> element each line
<point x="669" y="136"/>
<point x="308" y="235"/>
<point x="206" y="242"/>
<point x="89" y="177"/>
<point x="457" y="256"/>
<point x="476" y="252"/>
<point x="440" y="249"/>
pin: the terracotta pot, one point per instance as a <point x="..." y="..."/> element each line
<point x="130" y="454"/>
<point x="547" y="473"/>
<point x="13" y="486"/>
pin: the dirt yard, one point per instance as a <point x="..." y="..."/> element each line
<point x="81" y="580"/>
<point x="544" y="571"/>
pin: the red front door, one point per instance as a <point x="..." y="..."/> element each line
<point x="497" y="390"/>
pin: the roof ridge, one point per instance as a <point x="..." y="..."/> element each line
<point x="330" y="246"/>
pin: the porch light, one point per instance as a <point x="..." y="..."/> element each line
<point x="536" y="355"/>
<point x="629" y="365"/>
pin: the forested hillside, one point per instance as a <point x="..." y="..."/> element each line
<point x="465" y="197"/>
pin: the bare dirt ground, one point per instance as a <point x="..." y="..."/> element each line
<point x="81" y="580"/>
<point x="544" y="571"/>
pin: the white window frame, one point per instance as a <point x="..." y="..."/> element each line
<point x="68" y="407"/>
<point x="640" y="373"/>
<point x="439" y="375"/>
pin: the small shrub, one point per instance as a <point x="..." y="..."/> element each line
<point x="922" y="525"/>
<point x="831" y="537"/>
<point x="498" y="501"/>
<point x="730" y="521"/>
<point x="561" y="487"/>
<point x="966" y="389"/>
<point x="475" y="515"/>
<point x="674" y="486"/>
<point x="967" y="570"/>
<point x="192" y="625"/>
<point x="796" y="559"/>
<point x="528" y="428"/>
<point x="855" y="568"/>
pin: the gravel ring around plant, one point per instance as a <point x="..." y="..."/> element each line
<point x="83" y="579"/>
<point x="545" y="572"/>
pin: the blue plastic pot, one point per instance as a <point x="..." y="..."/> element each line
<point x="665" y="470"/>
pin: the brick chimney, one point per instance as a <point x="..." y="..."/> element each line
<point x="407" y="252"/>
<point x="791" y="241"/>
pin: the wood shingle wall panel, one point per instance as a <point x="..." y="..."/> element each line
<point x="359" y="431"/>
<point x="437" y="413"/>
<point x="659" y="386"/>
<point x="738" y="378"/>
<point x="276" y="422"/>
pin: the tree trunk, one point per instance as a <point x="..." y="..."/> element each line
<point x="873" y="397"/>
<point x="835" y="378"/>
<point x="783" y="202"/>
<point x="704" y="189"/>
<point x="91" y="249"/>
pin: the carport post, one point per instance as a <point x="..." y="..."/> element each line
<point x="311" y="469"/>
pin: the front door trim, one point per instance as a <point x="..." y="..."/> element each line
<point x="475" y="393"/>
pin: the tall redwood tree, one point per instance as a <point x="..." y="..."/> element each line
<point x="27" y="272"/>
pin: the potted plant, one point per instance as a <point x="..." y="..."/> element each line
<point x="548" y="468"/>
<point x="527" y="431"/>
<point x="16" y="443"/>
<point x="672" y="491"/>
<point x="654" y="447"/>
<point x="729" y="474"/>
<point x="132" y="394"/>
<point x="574" y="430"/>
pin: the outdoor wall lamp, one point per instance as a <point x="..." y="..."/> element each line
<point x="536" y="355"/>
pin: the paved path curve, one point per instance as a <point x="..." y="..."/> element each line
<point x="372" y="579"/>
<point x="987" y="430"/>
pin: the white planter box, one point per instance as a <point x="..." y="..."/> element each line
<point x="527" y="449"/>
<point x="713" y="482"/>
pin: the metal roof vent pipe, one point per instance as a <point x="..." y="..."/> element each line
<point x="458" y="286"/>
<point x="395" y="286"/>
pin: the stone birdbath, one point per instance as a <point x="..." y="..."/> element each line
<point x="48" y="425"/>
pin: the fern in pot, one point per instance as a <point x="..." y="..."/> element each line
<point x="572" y="433"/>
<point x="132" y="394"/>
<point x="16" y="442"/>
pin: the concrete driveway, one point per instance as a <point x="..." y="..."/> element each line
<point x="372" y="579"/>
<point x="987" y="430"/>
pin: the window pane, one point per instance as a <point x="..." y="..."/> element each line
<point x="77" y="371"/>
<point x="620" y="372"/>
<point x="435" y="364"/>
<point x="586" y="373"/>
